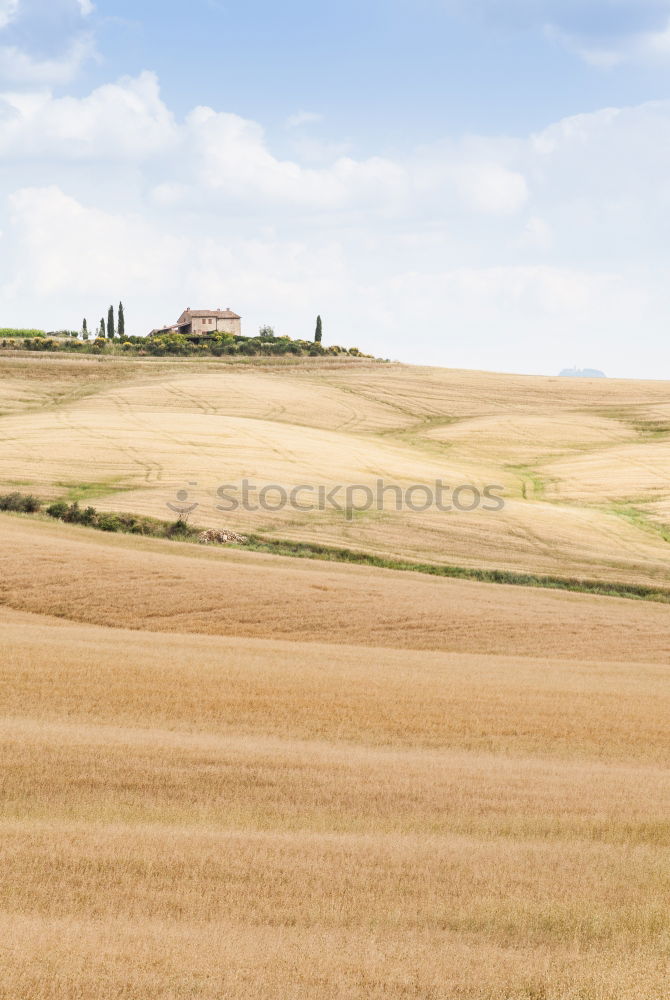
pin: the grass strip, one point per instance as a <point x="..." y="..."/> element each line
<point x="181" y="531"/>
<point x="312" y="550"/>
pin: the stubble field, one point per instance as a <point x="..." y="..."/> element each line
<point x="226" y="774"/>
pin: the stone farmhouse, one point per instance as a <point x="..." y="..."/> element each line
<point x="199" y="323"/>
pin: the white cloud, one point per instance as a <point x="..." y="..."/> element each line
<point x="228" y="156"/>
<point x="232" y="157"/>
<point x="20" y="67"/>
<point x="536" y="235"/>
<point x="492" y="188"/>
<point x="577" y="130"/>
<point x="126" y="120"/>
<point x="65" y="247"/>
<point x="659" y="41"/>
<point x="8" y="11"/>
<point x="600" y="58"/>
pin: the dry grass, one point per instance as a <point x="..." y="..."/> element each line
<point x="581" y="707"/>
<point x="84" y="576"/>
<point x="196" y="816"/>
<point x="568" y="453"/>
<point x="225" y="774"/>
<point x="187" y="815"/>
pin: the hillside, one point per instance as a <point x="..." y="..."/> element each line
<point x="584" y="465"/>
<point x="226" y="773"/>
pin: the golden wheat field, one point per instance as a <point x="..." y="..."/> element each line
<point x="230" y="774"/>
<point x="584" y="464"/>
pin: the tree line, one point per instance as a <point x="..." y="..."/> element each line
<point x="110" y="329"/>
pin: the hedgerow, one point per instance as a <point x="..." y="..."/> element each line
<point x="175" y="345"/>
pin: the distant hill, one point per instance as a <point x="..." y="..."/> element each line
<point x="582" y="373"/>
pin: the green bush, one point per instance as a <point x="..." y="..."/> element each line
<point x="179" y="530"/>
<point x="57" y="509"/>
<point x="88" y="515"/>
<point x="72" y="514"/>
<point x="21" y="502"/>
<point x="108" y="522"/>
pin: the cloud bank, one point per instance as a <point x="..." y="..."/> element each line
<point x="515" y="253"/>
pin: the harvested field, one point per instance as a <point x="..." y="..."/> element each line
<point x="197" y="589"/>
<point x="196" y="815"/>
<point x="584" y="465"/>
<point x="228" y="774"/>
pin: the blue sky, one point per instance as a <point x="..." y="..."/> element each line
<point x="474" y="183"/>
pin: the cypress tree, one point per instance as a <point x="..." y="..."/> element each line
<point x="121" y="322"/>
<point x="319" y="331"/>
<point x="84" y="328"/>
<point x="110" y="322"/>
<point x="102" y="328"/>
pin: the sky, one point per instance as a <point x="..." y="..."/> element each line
<point x="470" y="183"/>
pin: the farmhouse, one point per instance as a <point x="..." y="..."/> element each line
<point x="199" y="323"/>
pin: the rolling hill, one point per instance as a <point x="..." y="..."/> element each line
<point x="227" y="773"/>
<point x="584" y="466"/>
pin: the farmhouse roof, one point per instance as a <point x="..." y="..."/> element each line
<point x="202" y="313"/>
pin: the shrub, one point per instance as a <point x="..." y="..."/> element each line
<point x="180" y="530"/>
<point x="57" y="509"/>
<point x="21" y="502"/>
<point x="31" y="504"/>
<point x="171" y="343"/>
<point x="88" y="516"/>
<point x="73" y="514"/>
<point x="109" y="522"/>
